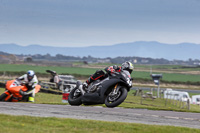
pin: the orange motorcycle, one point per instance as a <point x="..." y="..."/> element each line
<point x="12" y="91"/>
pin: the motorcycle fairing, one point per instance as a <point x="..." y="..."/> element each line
<point x="91" y="98"/>
<point x="99" y="96"/>
<point x="12" y="90"/>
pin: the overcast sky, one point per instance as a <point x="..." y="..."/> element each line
<point x="77" y="23"/>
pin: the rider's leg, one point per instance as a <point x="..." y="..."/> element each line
<point x="97" y="75"/>
<point x="31" y="98"/>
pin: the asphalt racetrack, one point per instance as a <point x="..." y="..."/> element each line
<point x="144" y="116"/>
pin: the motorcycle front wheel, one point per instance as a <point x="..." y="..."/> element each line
<point x="75" y="97"/>
<point x="113" y="100"/>
<point x="3" y="96"/>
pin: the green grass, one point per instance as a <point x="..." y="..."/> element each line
<point x="167" y="77"/>
<point x="130" y="102"/>
<point x="158" y="66"/>
<point x="168" y="67"/>
<point x="45" y="98"/>
<point x="156" y="104"/>
<point x="42" y="69"/>
<point x="27" y="124"/>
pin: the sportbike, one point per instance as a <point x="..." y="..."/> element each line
<point x="12" y="89"/>
<point x="111" y="91"/>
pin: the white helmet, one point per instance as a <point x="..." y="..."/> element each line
<point x="30" y="74"/>
<point x="127" y="66"/>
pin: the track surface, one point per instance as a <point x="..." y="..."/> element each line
<point x="144" y="116"/>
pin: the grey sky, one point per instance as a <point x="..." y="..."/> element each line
<point x="98" y="22"/>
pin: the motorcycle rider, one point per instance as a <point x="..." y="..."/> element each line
<point x="100" y="74"/>
<point x="30" y="81"/>
<point x="55" y="79"/>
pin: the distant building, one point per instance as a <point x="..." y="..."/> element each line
<point x="144" y="61"/>
<point x="28" y="59"/>
<point x="10" y="58"/>
<point x="103" y="61"/>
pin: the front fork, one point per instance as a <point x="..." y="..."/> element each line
<point x="116" y="89"/>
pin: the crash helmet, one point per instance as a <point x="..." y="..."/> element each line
<point x="127" y="66"/>
<point x="54" y="73"/>
<point x="30" y="75"/>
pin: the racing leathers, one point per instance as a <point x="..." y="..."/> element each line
<point x="100" y="74"/>
<point x="30" y="86"/>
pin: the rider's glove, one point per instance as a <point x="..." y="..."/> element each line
<point x="21" y="92"/>
<point x="23" y="83"/>
<point x="115" y="67"/>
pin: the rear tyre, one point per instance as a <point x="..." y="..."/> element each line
<point x="3" y="96"/>
<point x="75" y="97"/>
<point x="115" y="100"/>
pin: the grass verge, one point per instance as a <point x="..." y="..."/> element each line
<point x="130" y="102"/>
<point x="157" y="104"/>
<point x="27" y="124"/>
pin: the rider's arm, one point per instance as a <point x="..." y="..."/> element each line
<point x="113" y="69"/>
<point x="21" y="77"/>
<point x="33" y="83"/>
<point x="117" y="68"/>
<point x="27" y="92"/>
<point x="109" y="69"/>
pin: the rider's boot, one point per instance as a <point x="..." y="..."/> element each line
<point x="87" y="83"/>
<point x="85" y="86"/>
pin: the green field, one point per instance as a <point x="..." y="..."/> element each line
<point x="148" y="67"/>
<point x="42" y="69"/>
<point x="169" y="67"/>
<point x="27" y="124"/>
<point x="167" y="77"/>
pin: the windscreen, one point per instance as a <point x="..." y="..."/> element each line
<point x="126" y="73"/>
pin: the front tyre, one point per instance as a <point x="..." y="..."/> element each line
<point x="75" y="97"/>
<point x="113" y="100"/>
<point x="3" y="96"/>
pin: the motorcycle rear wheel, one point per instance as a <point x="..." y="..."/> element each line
<point x="75" y="97"/>
<point x="121" y="96"/>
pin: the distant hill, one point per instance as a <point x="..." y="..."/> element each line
<point x="3" y="53"/>
<point x="182" y="51"/>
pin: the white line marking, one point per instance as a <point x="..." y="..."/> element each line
<point x="170" y="117"/>
<point x="188" y="118"/>
<point x="155" y="115"/>
<point x="137" y="114"/>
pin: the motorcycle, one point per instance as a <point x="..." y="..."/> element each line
<point x="111" y="91"/>
<point x="12" y="91"/>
